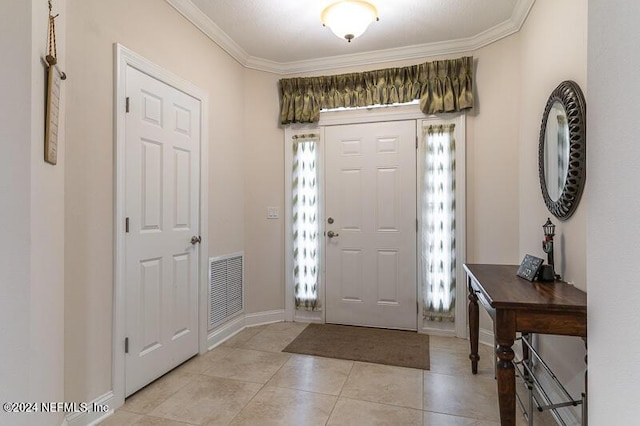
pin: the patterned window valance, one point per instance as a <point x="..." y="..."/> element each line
<point x="441" y="86"/>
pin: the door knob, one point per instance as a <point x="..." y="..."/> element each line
<point x="196" y="240"/>
<point x="332" y="234"/>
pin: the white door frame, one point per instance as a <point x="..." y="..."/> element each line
<point x="124" y="58"/>
<point x="371" y="115"/>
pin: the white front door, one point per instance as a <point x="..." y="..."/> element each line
<point x="162" y="209"/>
<point x="370" y="207"/>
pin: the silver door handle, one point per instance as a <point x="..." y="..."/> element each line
<point x="332" y="234"/>
<point x="196" y="240"/>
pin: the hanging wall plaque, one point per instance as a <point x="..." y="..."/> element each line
<point x="53" y="108"/>
<point x="54" y="77"/>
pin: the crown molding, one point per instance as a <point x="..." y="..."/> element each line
<point x="210" y="29"/>
<point x="192" y="13"/>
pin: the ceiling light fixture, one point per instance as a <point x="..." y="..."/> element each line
<point x="349" y="18"/>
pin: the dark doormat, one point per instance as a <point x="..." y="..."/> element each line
<point x="376" y="345"/>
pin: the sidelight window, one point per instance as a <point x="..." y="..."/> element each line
<point x="305" y="218"/>
<point x="437" y="236"/>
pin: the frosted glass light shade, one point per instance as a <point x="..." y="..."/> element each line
<point x="349" y="19"/>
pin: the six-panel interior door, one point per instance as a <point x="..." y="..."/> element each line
<point x="370" y="209"/>
<point x="162" y="207"/>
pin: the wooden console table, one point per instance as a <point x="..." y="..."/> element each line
<point x="517" y="305"/>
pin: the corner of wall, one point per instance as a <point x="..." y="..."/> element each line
<point x="554" y="49"/>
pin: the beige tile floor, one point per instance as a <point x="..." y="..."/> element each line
<point x="249" y="381"/>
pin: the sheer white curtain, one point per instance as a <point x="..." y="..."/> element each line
<point x="438" y="242"/>
<point x="304" y="202"/>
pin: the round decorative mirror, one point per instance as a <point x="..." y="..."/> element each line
<point x="562" y="150"/>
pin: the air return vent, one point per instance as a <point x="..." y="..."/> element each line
<point x="226" y="288"/>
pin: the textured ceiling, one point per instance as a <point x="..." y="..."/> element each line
<point x="290" y="31"/>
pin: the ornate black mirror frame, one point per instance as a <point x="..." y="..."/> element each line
<point x="567" y="93"/>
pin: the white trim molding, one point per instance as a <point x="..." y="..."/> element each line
<point x="124" y="58"/>
<point x="262" y="318"/>
<point x="398" y="112"/>
<point x="226" y="331"/>
<point x="486" y="337"/>
<point x="309" y="316"/>
<point x="93" y="417"/>
<point x="198" y="18"/>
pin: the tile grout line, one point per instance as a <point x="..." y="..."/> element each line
<point x="423" y="380"/>
<point x="194" y="376"/>
<point x="246" y="405"/>
<point x="263" y="385"/>
<point x="192" y="379"/>
<point x="353" y="364"/>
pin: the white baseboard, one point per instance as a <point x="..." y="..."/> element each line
<point x="486" y="337"/>
<point x="91" y="418"/>
<point x="437" y="332"/>
<point x="225" y="331"/>
<point x="239" y="323"/>
<point x="266" y="317"/>
<point x="309" y="317"/>
<point x="436" y="328"/>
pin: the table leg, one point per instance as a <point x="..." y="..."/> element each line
<point x="474" y="328"/>
<point x="506" y="330"/>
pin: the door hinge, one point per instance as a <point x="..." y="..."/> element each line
<point x="417" y="307"/>
<point x="416" y="139"/>
<point x="416" y="225"/>
<point x="126" y="225"/>
<point x="126" y="345"/>
<point x="127" y="105"/>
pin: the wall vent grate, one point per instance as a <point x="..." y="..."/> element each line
<point x="226" y="288"/>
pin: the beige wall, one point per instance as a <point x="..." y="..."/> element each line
<point x="32" y="217"/>
<point x="15" y="187"/>
<point x="554" y="48"/>
<point x="264" y="187"/>
<point x="47" y="224"/>
<point x="156" y="31"/>
<point x="613" y="231"/>
<point x="492" y="151"/>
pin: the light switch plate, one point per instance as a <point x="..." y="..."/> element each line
<point x="273" y="213"/>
